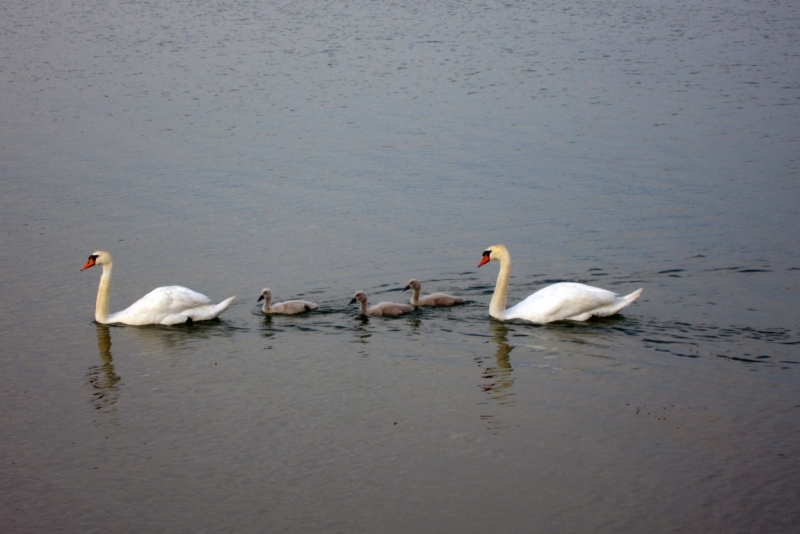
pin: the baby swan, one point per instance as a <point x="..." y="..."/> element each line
<point x="290" y="307"/>
<point x="434" y="299"/>
<point x="382" y="308"/>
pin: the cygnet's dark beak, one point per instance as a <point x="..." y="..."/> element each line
<point x="407" y="287"/>
<point x="260" y="298"/>
<point x="353" y="300"/>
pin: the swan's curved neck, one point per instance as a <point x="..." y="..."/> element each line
<point x="415" y="297"/>
<point x="267" y="305"/>
<point x="497" y="308"/>
<point x="363" y="307"/>
<point x="101" y="306"/>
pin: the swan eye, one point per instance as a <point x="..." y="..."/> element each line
<point x="487" y="253"/>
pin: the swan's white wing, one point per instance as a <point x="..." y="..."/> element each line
<point x="561" y="301"/>
<point x="200" y="313"/>
<point x="172" y="299"/>
<point x="160" y="303"/>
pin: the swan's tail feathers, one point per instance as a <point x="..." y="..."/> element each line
<point x="222" y="306"/>
<point x="611" y="309"/>
<point x="633" y="296"/>
<point x="205" y="313"/>
<point x="624" y="302"/>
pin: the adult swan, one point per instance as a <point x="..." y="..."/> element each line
<point x="164" y="305"/>
<point x="563" y="301"/>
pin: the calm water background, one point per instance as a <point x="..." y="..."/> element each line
<point x="319" y="148"/>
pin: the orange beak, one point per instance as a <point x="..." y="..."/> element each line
<point x="89" y="263"/>
<point x="484" y="260"/>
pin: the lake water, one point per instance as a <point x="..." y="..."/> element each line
<point x="324" y="147"/>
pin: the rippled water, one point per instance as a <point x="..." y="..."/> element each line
<point x="320" y="148"/>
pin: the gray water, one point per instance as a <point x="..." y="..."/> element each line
<point x="319" y="148"/>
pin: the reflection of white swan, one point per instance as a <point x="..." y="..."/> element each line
<point x="104" y="347"/>
<point x="382" y="308"/>
<point x="103" y="379"/>
<point x="434" y="299"/>
<point x="563" y="301"/>
<point x="289" y="307"/>
<point x="501" y="374"/>
<point x="164" y="305"/>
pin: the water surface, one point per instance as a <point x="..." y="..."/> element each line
<point x="323" y="148"/>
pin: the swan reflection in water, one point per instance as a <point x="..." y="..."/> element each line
<point x="182" y="338"/>
<point x="497" y="373"/>
<point x="102" y="378"/>
<point x="361" y="334"/>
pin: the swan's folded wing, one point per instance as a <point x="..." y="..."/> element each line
<point x="561" y="301"/>
<point x="199" y="313"/>
<point x="173" y="299"/>
<point x="160" y="303"/>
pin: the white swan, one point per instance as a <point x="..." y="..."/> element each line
<point x="382" y="308"/>
<point x="434" y="299"/>
<point x="164" y="305"/>
<point x="563" y="301"/>
<point x="290" y="307"/>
